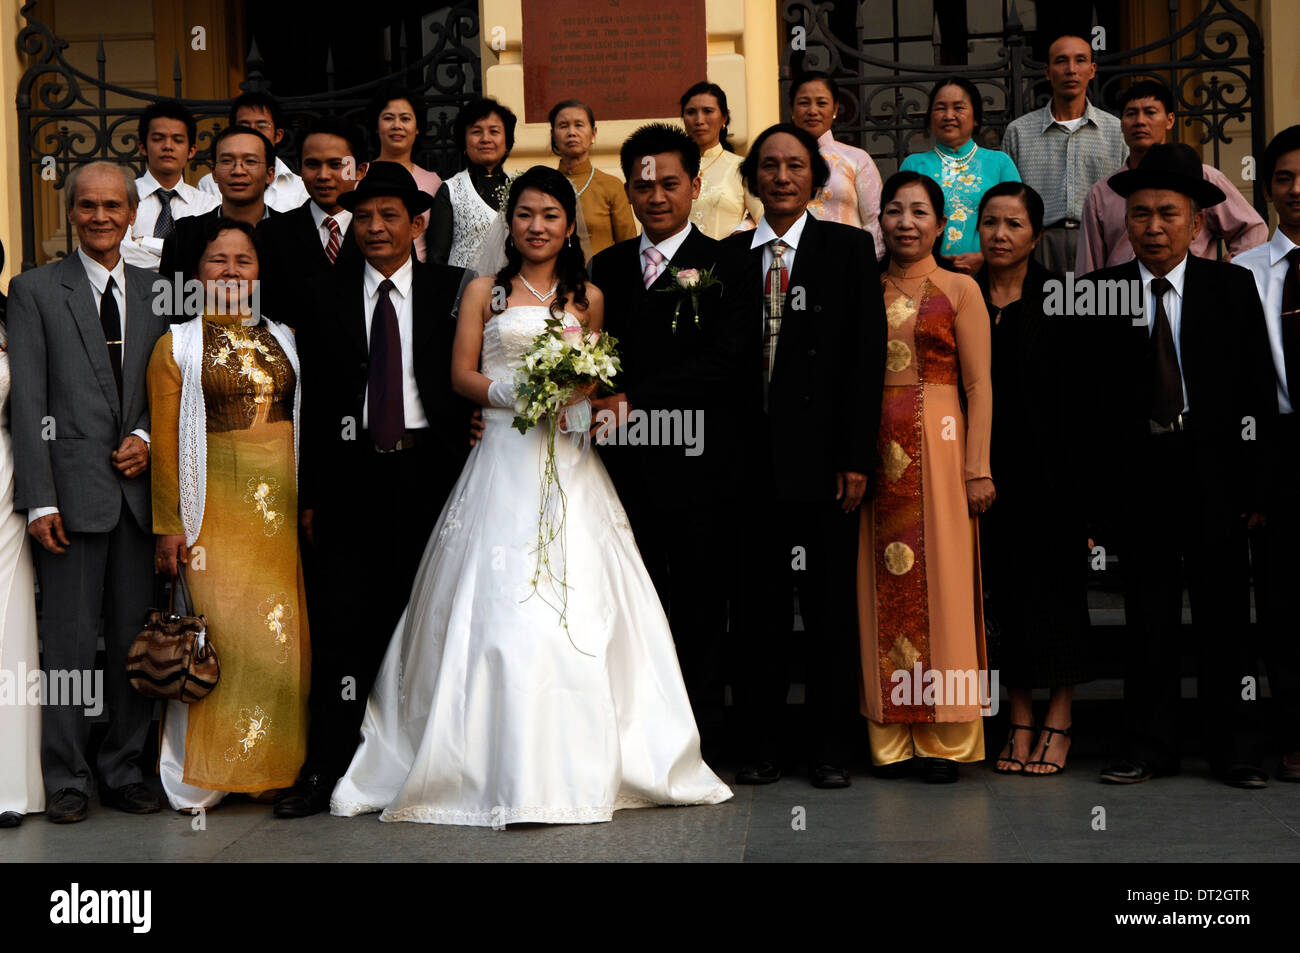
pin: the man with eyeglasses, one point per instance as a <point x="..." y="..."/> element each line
<point x="244" y="169"/>
<point x="261" y="112"/>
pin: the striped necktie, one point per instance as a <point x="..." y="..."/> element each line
<point x="654" y="260"/>
<point x="332" y="246"/>
<point x="775" y="287"/>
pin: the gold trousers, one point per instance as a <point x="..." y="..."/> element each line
<point x="956" y="741"/>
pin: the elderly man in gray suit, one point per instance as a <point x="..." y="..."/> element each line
<point x="80" y="334"/>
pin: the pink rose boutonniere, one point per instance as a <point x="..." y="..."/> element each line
<point x="690" y="283"/>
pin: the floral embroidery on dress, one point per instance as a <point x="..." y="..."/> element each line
<point x="262" y="493"/>
<point x="240" y="351"/>
<point x="276" y="612"/>
<point x="250" y="728"/>
<point x="451" y="524"/>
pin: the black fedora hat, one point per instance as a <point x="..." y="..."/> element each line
<point x="388" y="178"/>
<point x="1169" y="166"/>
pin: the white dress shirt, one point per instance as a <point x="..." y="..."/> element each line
<point x="140" y="248"/>
<point x="1173" y="300"/>
<point x="98" y="276"/>
<point x="400" y="296"/>
<point x="764" y="236"/>
<point x="668" y="247"/>
<point x="285" y="193"/>
<point x="1268" y="264"/>
<point x="342" y="217"/>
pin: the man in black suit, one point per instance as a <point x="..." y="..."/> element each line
<point x="812" y="395"/>
<point x="383" y="440"/>
<point x="244" y="166"/>
<point x="681" y="357"/>
<point x="1191" y="410"/>
<point x="301" y="247"/>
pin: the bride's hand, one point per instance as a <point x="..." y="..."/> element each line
<point x="581" y="392"/>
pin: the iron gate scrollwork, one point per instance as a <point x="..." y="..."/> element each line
<point x="1217" y="83"/>
<point x="64" y="117"/>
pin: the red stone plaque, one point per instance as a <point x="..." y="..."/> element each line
<point x="628" y="59"/>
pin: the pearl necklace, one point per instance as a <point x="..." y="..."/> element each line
<point x="591" y="176"/>
<point x="537" y="294"/>
<point x="958" y="163"/>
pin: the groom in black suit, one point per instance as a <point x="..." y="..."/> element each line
<point x="383" y="440"/>
<point x="812" y="394"/>
<point x="681" y="357"/>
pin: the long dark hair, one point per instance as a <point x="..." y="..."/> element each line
<point x="714" y="90"/>
<point x="570" y="266"/>
<point x="1017" y="190"/>
<point x="898" y="181"/>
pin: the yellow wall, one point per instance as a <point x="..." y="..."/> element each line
<point x="742" y="59"/>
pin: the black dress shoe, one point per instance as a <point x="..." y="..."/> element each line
<point x="1124" y="771"/>
<point x="759" y="772"/>
<point x="311" y="795"/>
<point x="133" y="798"/>
<point x="829" y="776"/>
<point x="1244" y="776"/>
<point x="938" y="770"/>
<point x="66" y="807"/>
<point x="895" y="769"/>
<point x="11" y="819"/>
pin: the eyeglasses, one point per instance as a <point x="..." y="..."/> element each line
<point x="228" y="163"/>
<point x="262" y="126"/>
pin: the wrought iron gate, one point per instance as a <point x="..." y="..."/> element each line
<point x="883" y="101"/>
<point x="64" y="117"/>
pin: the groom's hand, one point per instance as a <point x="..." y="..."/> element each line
<point x="132" y="457"/>
<point x="476" y="426"/>
<point x="48" y="531"/>
<point x="849" y="488"/>
<point x="615" y="404"/>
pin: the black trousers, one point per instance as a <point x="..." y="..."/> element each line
<point x="363" y="565"/>
<point x="1275" y="554"/>
<point x="1170" y="534"/>
<point x="810" y="548"/>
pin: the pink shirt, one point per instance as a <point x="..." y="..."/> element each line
<point x="852" y="194"/>
<point x="429" y="182"/>
<point x="1104" y="241"/>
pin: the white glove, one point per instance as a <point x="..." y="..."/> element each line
<point x="577" y="417"/>
<point x="502" y="394"/>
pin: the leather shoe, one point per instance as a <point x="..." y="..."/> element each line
<point x="1244" y="776"/>
<point x="133" y="798"/>
<point x="66" y="807"/>
<point x="938" y="770"/>
<point x="11" y="819"/>
<point x="1288" y="768"/>
<point x="310" y="795"/>
<point x="1124" y="771"/>
<point x="895" y="769"/>
<point x="759" y="772"/>
<point x="829" y="776"/>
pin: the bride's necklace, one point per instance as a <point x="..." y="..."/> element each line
<point x="537" y="294"/>
<point x="957" y="163"/>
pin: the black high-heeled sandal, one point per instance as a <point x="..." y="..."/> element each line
<point x="1011" y="746"/>
<point x="1043" y="760"/>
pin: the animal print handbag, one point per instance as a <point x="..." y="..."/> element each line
<point x="173" y="658"/>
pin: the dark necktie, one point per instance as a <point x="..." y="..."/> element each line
<point x="1291" y="327"/>
<point x="335" y="239"/>
<point x="163" y="227"/>
<point x="384" y="389"/>
<point x="110" y="319"/>
<point x="1166" y="379"/>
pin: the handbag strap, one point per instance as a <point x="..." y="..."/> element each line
<point x="186" y="605"/>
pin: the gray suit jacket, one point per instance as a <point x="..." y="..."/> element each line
<point x="65" y="414"/>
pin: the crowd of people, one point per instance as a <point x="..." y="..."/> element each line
<point x="903" y="428"/>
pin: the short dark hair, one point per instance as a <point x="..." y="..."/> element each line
<point x="166" y="109"/>
<point x="333" y="126"/>
<point x="386" y="96"/>
<point x="814" y="76"/>
<point x="1017" y="190"/>
<point x="908" y="177"/>
<point x="966" y="86"/>
<point x="257" y="101"/>
<point x="1071" y="36"/>
<point x="1288" y="140"/>
<point x="229" y="131"/>
<point x="656" y="138"/>
<point x="559" y="108"/>
<point x="706" y="88"/>
<point x="481" y="108"/>
<point x="1147" y="89"/>
<point x="227" y="224"/>
<point x="821" y="172"/>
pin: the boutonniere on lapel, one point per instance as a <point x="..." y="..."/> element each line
<point x="690" y="283"/>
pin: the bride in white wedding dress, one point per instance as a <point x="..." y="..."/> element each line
<point x="487" y="711"/>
